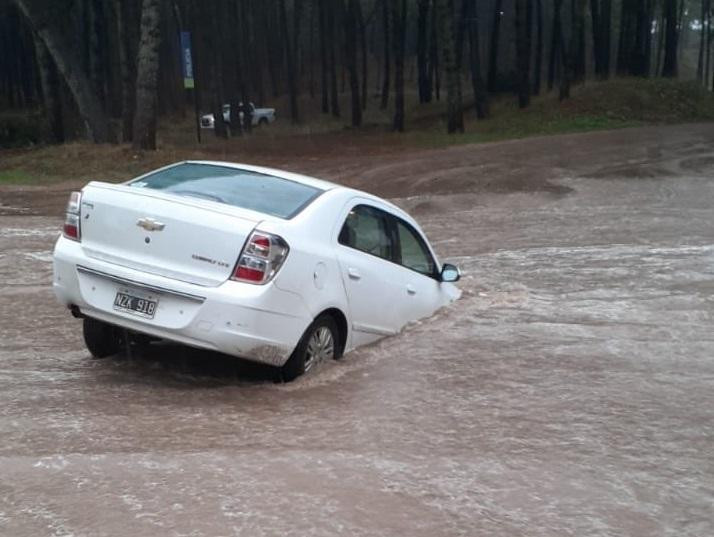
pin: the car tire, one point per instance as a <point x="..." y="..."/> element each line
<point x="319" y="343"/>
<point x="263" y="122"/>
<point x="102" y="339"/>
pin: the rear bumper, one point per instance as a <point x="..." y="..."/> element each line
<point x="259" y="323"/>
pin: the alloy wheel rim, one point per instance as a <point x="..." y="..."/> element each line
<point x="320" y="348"/>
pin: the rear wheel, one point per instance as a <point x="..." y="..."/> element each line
<point x="102" y="339"/>
<point x="263" y="121"/>
<point x="319" y="343"/>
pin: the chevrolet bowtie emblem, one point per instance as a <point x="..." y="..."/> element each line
<point x="149" y="224"/>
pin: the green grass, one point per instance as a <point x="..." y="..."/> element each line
<point x="17" y="177"/>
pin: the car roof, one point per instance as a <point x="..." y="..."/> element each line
<point x="289" y="176"/>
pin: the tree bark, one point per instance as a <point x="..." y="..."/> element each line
<point x="524" y="13"/>
<point x="351" y="56"/>
<point x="477" y="81"/>
<point x="127" y="66"/>
<point x="324" y="71"/>
<point x="69" y="66"/>
<point x="331" y="44"/>
<point x="387" y="62"/>
<point x="578" y="27"/>
<point x="605" y="38"/>
<point x="669" y="69"/>
<point x="493" y="52"/>
<point x="290" y="60"/>
<point x="52" y="103"/>
<point x="455" y="111"/>
<point x="362" y="27"/>
<point x="423" y="80"/>
<point x="434" y="64"/>
<point x="146" y="77"/>
<point x="702" y="41"/>
<point x="538" y="67"/>
<point x="556" y="45"/>
<point x="399" y="14"/>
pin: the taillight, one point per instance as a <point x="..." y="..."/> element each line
<point x="262" y="257"/>
<point x="72" y="218"/>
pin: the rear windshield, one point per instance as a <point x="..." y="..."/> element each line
<point x="240" y="188"/>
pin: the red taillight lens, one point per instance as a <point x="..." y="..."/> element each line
<point x="249" y="274"/>
<point x="71" y="229"/>
<point x="262" y="257"/>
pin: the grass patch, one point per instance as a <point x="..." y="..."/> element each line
<point x="16" y="177"/>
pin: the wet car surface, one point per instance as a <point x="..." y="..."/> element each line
<point x="570" y="391"/>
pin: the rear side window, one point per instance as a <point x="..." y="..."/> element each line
<point x="384" y="235"/>
<point x="241" y="188"/>
<point x="368" y="230"/>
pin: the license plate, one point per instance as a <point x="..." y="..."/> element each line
<point x="142" y="306"/>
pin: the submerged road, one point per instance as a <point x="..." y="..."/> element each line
<point x="569" y="392"/>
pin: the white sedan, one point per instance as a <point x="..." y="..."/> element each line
<point x="252" y="262"/>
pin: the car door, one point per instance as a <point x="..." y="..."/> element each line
<point x="419" y="272"/>
<point x="365" y="252"/>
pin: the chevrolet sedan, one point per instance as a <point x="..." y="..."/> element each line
<point x="256" y="263"/>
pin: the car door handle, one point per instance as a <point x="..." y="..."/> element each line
<point x="411" y="290"/>
<point x="353" y="273"/>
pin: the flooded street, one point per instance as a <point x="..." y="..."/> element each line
<point x="570" y="391"/>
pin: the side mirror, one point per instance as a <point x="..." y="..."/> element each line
<point x="450" y="273"/>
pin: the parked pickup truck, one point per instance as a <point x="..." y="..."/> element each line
<point x="261" y="116"/>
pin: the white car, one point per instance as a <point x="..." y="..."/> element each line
<point x="259" y="117"/>
<point x="262" y="264"/>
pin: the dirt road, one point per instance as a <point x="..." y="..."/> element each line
<point x="569" y="392"/>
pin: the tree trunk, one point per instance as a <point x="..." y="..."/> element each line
<point x="566" y="59"/>
<point x="127" y="66"/>
<point x="477" y="81"/>
<point x="669" y="69"/>
<point x="524" y="10"/>
<point x="50" y="93"/>
<point x="423" y="81"/>
<point x="578" y="26"/>
<point x="324" y="71"/>
<point x="605" y="38"/>
<point x="290" y="59"/>
<point x="434" y="65"/>
<point x="351" y="57"/>
<point x="387" y="51"/>
<point x="362" y="26"/>
<point x="597" y="37"/>
<point x="709" y="46"/>
<point x="331" y="44"/>
<point x="538" y="68"/>
<point x="493" y="52"/>
<point x="556" y="45"/>
<point x="399" y="14"/>
<point x="68" y="64"/>
<point x="146" y="76"/>
<point x="455" y="111"/>
<point x="702" y="40"/>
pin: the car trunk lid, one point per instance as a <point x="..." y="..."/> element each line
<point x="183" y="238"/>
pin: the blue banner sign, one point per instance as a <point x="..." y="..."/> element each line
<point x="187" y="61"/>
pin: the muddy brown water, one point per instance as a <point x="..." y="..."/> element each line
<point x="569" y="392"/>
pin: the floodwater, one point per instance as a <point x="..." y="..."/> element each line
<point x="570" y="391"/>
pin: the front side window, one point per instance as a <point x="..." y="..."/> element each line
<point x="413" y="253"/>
<point x="241" y="188"/>
<point x="367" y="229"/>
